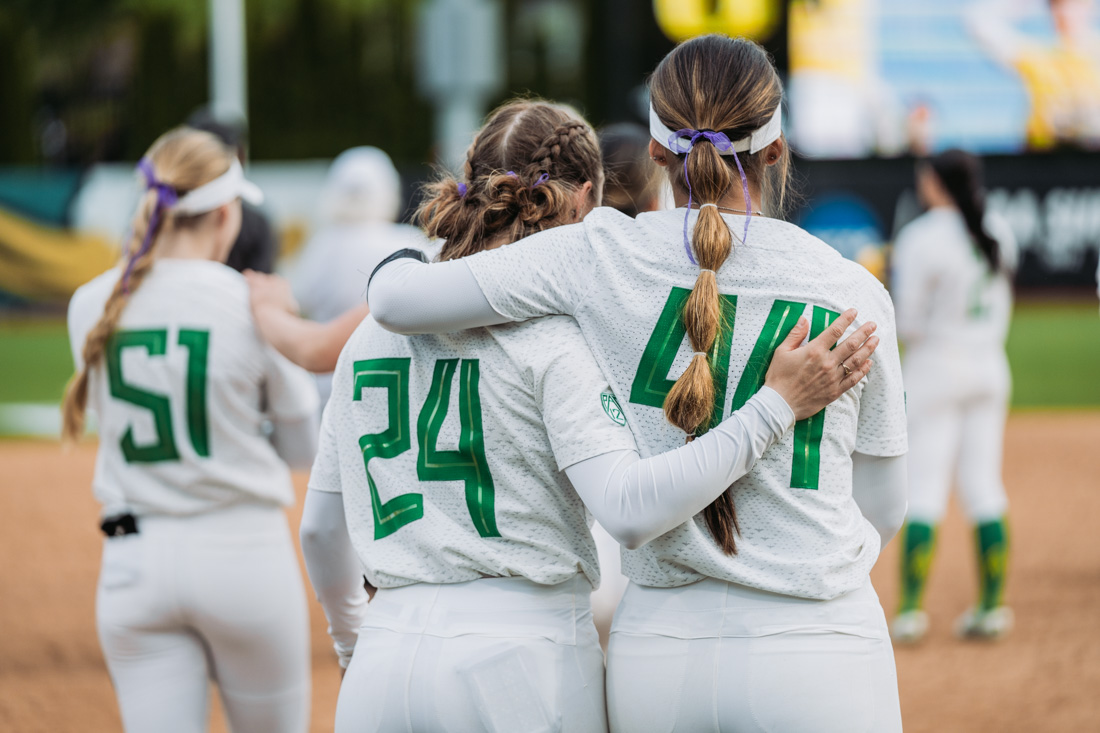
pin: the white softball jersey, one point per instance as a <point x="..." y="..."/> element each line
<point x="624" y="281"/>
<point x="449" y="451"/>
<point x="183" y="393"/>
<point x="953" y="317"/>
<point x="945" y="293"/>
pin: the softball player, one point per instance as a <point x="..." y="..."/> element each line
<point x="954" y="300"/>
<point x="359" y="203"/>
<point x="758" y="614"/>
<point x="199" y="579"/>
<point x="478" y="544"/>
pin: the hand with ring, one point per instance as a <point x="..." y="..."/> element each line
<point x="812" y="376"/>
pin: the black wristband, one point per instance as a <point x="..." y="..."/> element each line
<point x="401" y="254"/>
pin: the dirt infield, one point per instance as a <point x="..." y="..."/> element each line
<point x="1044" y="678"/>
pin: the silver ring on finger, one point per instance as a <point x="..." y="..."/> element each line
<point x="846" y="368"/>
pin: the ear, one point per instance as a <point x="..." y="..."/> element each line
<point x="584" y="201"/>
<point x="659" y="153"/>
<point x="221" y="215"/>
<point x="774" y="152"/>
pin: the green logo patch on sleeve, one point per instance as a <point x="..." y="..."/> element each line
<point x="611" y="407"/>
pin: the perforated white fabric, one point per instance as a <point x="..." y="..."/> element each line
<point x="245" y="382"/>
<point x="614" y="274"/>
<point x="544" y="406"/>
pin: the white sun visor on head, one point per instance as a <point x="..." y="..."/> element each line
<point x="225" y="188"/>
<point x="755" y="142"/>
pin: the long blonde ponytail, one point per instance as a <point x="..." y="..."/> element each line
<point x="713" y="83"/>
<point x="182" y="159"/>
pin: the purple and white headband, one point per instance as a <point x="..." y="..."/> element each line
<point x="755" y="142"/>
<point x="227" y="187"/>
<point x="683" y="141"/>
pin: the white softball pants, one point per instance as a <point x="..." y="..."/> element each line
<point x="715" y="656"/>
<point x="219" y="597"/>
<point x="957" y="404"/>
<point x="502" y="655"/>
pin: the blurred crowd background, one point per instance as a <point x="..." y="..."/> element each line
<point x="86" y="85"/>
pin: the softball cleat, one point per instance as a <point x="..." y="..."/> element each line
<point x="992" y="624"/>
<point x="909" y="627"/>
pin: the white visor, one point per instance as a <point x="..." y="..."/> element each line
<point x="755" y="142"/>
<point x="225" y="188"/>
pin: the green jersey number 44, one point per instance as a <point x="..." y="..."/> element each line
<point x="652" y="385"/>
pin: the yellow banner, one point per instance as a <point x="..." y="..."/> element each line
<point x="46" y="263"/>
<point x="684" y="19"/>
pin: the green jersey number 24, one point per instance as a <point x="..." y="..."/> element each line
<point x="651" y="383"/>
<point x="467" y="464"/>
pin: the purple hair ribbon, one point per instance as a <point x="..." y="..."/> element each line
<point x="677" y="144"/>
<point x="542" y="179"/>
<point x="167" y="197"/>
<point x="462" y="190"/>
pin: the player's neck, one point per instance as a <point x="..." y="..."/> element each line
<point x="187" y="245"/>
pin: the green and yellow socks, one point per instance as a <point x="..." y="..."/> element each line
<point x="918" y="546"/>
<point x="992" y="543"/>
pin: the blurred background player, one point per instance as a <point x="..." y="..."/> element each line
<point x="255" y="247"/>
<point x="632" y="184"/>
<point x="953" y="295"/>
<point x="359" y="205"/>
<point x="199" y="578"/>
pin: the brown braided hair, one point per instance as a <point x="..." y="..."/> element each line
<point x="185" y="159"/>
<point x="522" y="174"/>
<point x="729" y="85"/>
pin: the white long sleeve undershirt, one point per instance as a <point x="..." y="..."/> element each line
<point x="334" y="569"/>
<point x="880" y="487"/>
<point x="639" y="499"/>
<point x="406" y="300"/>
<point x="295" y="441"/>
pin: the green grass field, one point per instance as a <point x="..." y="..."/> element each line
<point x="1054" y="348"/>
<point x="35" y="362"/>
